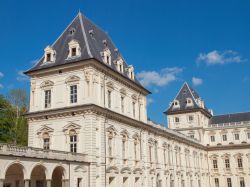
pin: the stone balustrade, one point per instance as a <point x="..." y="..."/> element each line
<point x="30" y="152"/>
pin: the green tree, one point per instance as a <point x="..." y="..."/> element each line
<point x="5" y="126"/>
<point x="19" y="106"/>
<point x="13" y="124"/>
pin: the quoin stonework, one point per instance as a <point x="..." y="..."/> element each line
<point x="88" y="126"/>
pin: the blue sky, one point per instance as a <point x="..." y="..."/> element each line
<point x="206" y="43"/>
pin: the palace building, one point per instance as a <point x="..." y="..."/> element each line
<point x="88" y="126"/>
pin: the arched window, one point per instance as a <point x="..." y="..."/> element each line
<point x="176" y="104"/>
<point x="111" y="132"/>
<point x="73" y="141"/>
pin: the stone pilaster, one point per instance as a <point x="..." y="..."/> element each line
<point x="49" y="183"/>
<point x="26" y="183"/>
<point x="1" y="182"/>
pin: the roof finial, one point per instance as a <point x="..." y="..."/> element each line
<point x="79" y="12"/>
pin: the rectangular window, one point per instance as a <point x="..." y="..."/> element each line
<point x="236" y="136"/>
<point x="248" y="135"/>
<point x="47" y="101"/>
<point x="212" y="138"/>
<point x="190" y="118"/>
<point x="79" y="182"/>
<point x="150" y="153"/>
<point x="227" y="163"/>
<point x="46" y="143"/>
<point x="192" y="136"/>
<point x="109" y="98"/>
<point x="242" y="182"/>
<point x="122" y="104"/>
<point x="135" y="150"/>
<point x="177" y="120"/>
<point x="229" y="182"/>
<point x="133" y="109"/>
<point x="224" y="137"/>
<point x="123" y="149"/>
<point x="73" y="143"/>
<point x="48" y="57"/>
<point x="110" y="146"/>
<point x="73" y="51"/>
<point x="215" y="164"/>
<point x="73" y="94"/>
<point x="216" y="181"/>
<point x="240" y="165"/>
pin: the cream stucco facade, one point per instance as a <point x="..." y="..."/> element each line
<point x="88" y="126"/>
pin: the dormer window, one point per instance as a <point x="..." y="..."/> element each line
<point x="119" y="65"/>
<point x="176" y="103"/>
<point x="189" y="102"/>
<point x="130" y="71"/>
<point x="74" y="49"/>
<point x="49" y="55"/>
<point x="106" y="56"/>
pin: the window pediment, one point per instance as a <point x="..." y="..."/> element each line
<point x="123" y="91"/>
<point x="47" y="84"/>
<point x="71" y="126"/>
<point x="111" y="129"/>
<point x="125" y="133"/>
<point x="72" y="79"/>
<point x="110" y="85"/>
<point x="134" y="97"/>
<point x="136" y="136"/>
<point x="44" y="129"/>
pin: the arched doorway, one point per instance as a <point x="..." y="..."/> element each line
<point x="14" y="176"/>
<point x="57" y="177"/>
<point x="38" y="177"/>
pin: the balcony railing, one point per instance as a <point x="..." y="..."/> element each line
<point x="13" y="150"/>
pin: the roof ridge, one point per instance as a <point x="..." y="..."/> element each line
<point x="192" y="93"/>
<point x="84" y="35"/>
<point x="38" y="61"/>
<point x="231" y="113"/>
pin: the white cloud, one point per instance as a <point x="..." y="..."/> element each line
<point x="162" y="78"/>
<point x="21" y="76"/>
<point x="217" y="57"/>
<point x="197" y="81"/>
<point x="1" y="75"/>
<point x="1" y="86"/>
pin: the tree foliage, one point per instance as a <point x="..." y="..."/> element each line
<point x="13" y="124"/>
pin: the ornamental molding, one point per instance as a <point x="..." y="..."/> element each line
<point x="72" y="79"/>
<point x="92" y="109"/>
<point x="46" y="84"/>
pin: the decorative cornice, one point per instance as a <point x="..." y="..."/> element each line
<point x="111" y="115"/>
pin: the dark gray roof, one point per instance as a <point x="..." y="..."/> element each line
<point x="230" y="118"/>
<point x="186" y="92"/>
<point x="93" y="41"/>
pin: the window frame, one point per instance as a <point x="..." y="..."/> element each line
<point x="47" y="98"/>
<point x="73" y="93"/>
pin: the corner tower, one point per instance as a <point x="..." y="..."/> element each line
<point x="188" y="113"/>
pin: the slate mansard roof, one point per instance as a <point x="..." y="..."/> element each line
<point x="230" y="118"/>
<point x="92" y="40"/>
<point x="186" y="92"/>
